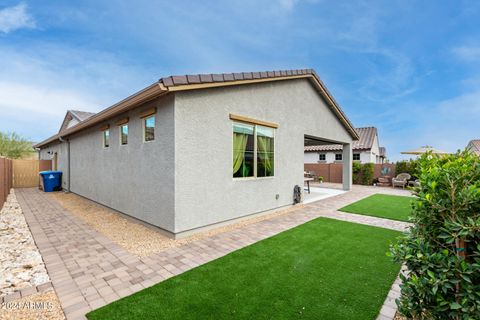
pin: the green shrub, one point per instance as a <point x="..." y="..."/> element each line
<point x="409" y="167"/>
<point x="356" y="172"/>
<point x="367" y="173"/>
<point x="362" y="173"/>
<point x="442" y="283"/>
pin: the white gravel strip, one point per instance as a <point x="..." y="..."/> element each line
<point x="21" y="264"/>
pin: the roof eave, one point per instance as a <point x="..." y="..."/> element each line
<point x="151" y="92"/>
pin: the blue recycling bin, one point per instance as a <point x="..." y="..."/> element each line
<point x="52" y="180"/>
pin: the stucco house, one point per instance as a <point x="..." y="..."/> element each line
<point x="365" y="150"/>
<point x="474" y="146"/>
<point x="195" y="151"/>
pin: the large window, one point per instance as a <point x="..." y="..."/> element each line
<point x="124" y="134"/>
<point x="106" y="138"/>
<point x="253" y="150"/>
<point x="149" y="128"/>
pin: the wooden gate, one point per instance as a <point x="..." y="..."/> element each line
<point x="25" y="172"/>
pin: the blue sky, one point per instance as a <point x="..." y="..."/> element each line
<point x="410" y="68"/>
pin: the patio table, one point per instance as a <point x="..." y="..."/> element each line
<point x="307" y="180"/>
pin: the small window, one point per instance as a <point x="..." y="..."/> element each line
<point x="149" y="128"/>
<point x="356" y="156"/>
<point x="338" y="157"/>
<point x="124" y="134"/>
<point x="106" y="138"/>
<point x="322" y="157"/>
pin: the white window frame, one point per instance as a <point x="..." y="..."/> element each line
<point x="341" y="157"/>
<point x="120" y="132"/>
<point x="324" y="156"/>
<point x="353" y="157"/>
<point x="144" y="126"/>
<point x="255" y="154"/>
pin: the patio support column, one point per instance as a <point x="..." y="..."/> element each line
<point x="347" y="158"/>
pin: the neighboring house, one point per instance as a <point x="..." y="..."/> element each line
<point x="190" y="152"/>
<point x="365" y="150"/>
<point x="474" y="146"/>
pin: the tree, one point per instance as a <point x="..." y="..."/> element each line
<point x="14" y="146"/>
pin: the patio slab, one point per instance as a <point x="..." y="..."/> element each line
<point x="88" y="270"/>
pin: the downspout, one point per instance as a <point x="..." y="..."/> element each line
<point x="68" y="161"/>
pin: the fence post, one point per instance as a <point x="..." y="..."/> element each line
<point x="3" y="181"/>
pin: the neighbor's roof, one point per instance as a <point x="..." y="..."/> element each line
<point x="474" y="146"/>
<point x="82" y="115"/>
<point x="365" y="142"/>
<point x="201" y="81"/>
<point x="71" y="114"/>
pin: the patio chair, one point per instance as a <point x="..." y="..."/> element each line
<point x="401" y="180"/>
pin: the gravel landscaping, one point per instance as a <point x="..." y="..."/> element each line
<point x="135" y="237"/>
<point x="21" y="265"/>
<point x="44" y="305"/>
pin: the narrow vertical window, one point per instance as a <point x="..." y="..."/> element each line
<point x="149" y="128"/>
<point x="124" y="134"/>
<point x="265" y="152"/>
<point x="243" y="150"/>
<point x="106" y="138"/>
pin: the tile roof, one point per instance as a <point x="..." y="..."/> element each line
<point x="82" y="115"/>
<point x="367" y="137"/>
<point x="474" y="146"/>
<point x="172" y="81"/>
<point x="185" y="82"/>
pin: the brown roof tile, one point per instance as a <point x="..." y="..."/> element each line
<point x="228" y="77"/>
<point x="367" y="137"/>
<point x="218" y="77"/>
<point x="193" y="78"/>
<point x="205" y="78"/>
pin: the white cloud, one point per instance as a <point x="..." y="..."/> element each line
<point x="14" y="18"/>
<point x="288" y="4"/>
<point x="468" y="53"/>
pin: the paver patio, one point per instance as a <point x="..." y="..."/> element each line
<point x="88" y="270"/>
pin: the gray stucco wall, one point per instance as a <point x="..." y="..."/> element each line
<point x="136" y="179"/>
<point x="62" y="156"/>
<point x="205" y="191"/>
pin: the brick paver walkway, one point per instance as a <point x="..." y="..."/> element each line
<point x="88" y="270"/>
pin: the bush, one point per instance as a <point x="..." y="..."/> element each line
<point x="409" y="167"/>
<point x="356" y="172"/>
<point x="442" y="249"/>
<point x="367" y="173"/>
<point x="362" y="173"/>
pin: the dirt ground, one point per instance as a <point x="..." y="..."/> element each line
<point x="130" y="235"/>
<point x="44" y="305"/>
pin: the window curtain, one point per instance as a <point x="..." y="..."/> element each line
<point x="239" y="145"/>
<point x="265" y="149"/>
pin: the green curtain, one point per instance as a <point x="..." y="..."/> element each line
<point x="265" y="149"/>
<point x="239" y="145"/>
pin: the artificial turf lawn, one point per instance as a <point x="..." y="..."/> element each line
<point x="323" y="269"/>
<point x="383" y="206"/>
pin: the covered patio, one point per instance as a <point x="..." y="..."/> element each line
<point x="311" y="178"/>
